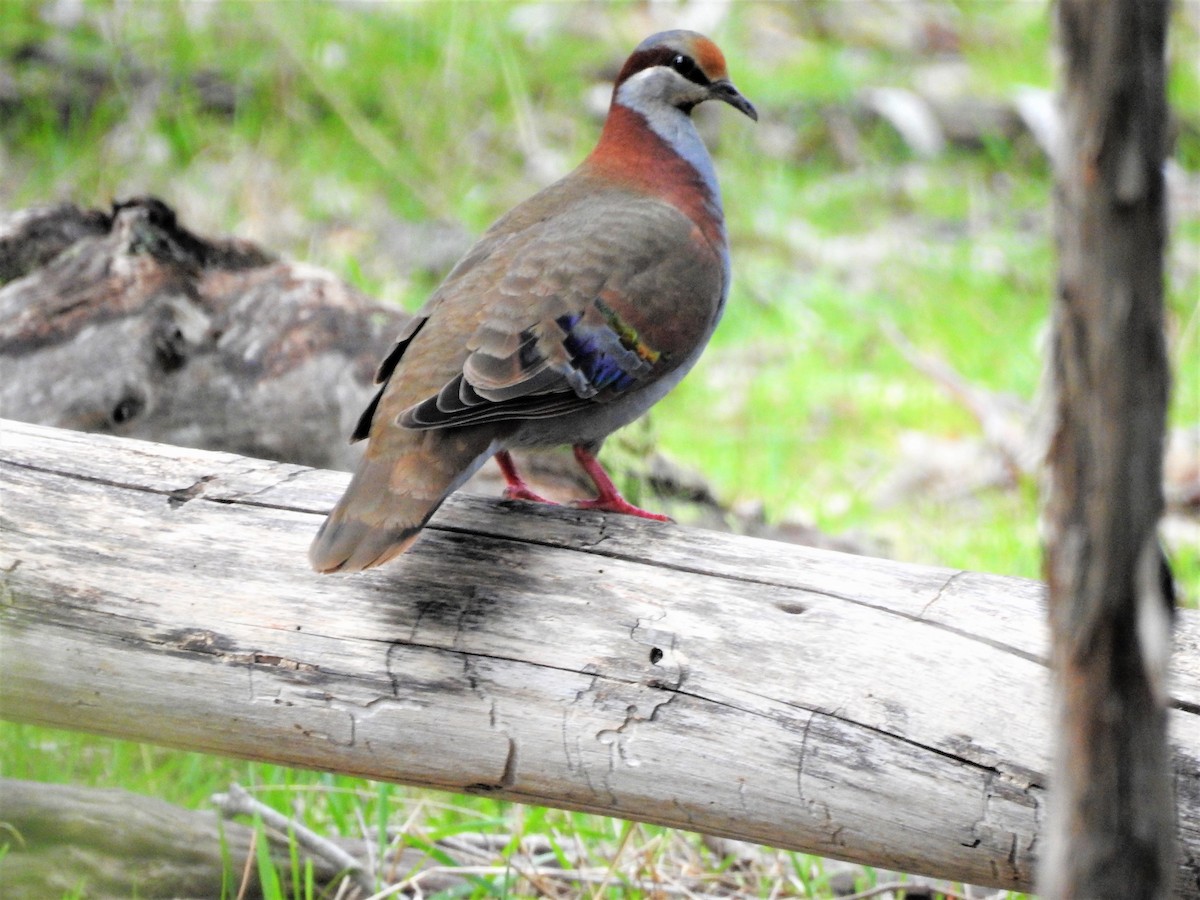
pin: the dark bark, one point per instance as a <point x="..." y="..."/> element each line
<point x="128" y="323"/>
<point x="1112" y="820"/>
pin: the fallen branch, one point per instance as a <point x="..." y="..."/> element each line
<point x="851" y="707"/>
<point x="237" y="802"/>
<point x="113" y="843"/>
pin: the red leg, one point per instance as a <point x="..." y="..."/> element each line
<point x="608" y="498"/>
<point x="516" y="488"/>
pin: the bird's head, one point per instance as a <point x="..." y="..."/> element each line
<point x="680" y="69"/>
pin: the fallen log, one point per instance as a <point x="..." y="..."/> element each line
<point x="116" y="844"/>
<point x="883" y="713"/>
<point x="111" y="843"/>
<point x="129" y="323"/>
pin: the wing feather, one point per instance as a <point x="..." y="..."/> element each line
<point x="362" y="430"/>
<point x="552" y="326"/>
<point x="587" y="356"/>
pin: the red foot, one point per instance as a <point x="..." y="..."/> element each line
<point x="608" y="498"/>
<point x="517" y="489"/>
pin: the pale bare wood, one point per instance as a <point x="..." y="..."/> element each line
<point x="857" y="708"/>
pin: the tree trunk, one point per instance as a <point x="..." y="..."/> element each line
<point x="1112" y="821"/>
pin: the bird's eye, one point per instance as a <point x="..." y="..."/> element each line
<point x="687" y="67"/>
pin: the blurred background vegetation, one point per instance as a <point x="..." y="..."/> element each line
<point x="872" y="267"/>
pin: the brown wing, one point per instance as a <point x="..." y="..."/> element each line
<point x="574" y="310"/>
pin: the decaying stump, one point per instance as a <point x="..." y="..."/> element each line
<point x="130" y="324"/>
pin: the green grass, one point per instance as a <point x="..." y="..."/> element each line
<point x="352" y="121"/>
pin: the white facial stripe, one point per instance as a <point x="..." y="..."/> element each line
<point x="658" y="86"/>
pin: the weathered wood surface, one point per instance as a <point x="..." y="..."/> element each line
<point x="852" y="707"/>
<point x="129" y="323"/>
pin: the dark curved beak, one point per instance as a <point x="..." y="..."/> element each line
<point x="724" y="90"/>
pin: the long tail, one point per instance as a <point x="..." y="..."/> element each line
<point x="395" y="491"/>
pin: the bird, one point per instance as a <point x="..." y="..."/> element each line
<point x="572" y="315"/>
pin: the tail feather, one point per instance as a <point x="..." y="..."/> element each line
<point x="352" y="545"/>
<point x="391" y="497"/>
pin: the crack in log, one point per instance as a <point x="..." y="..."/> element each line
<point x="393" y="647"/>
<point x="282" y="662"/>
<point x="177" y="498"/>
<point x="743" y="804"/>
<point x="985" y="829"/>
<point x="196" y="490"/>
<point x="508" y="776"/>
<point x="785" y="606"/>
<point x="290" y="473"/>
<point x="468" y="681"/>
<point x="800" y="759"/>
<point x="688" y="818"/>
<point x="993" y="775"/>
<point x="815" y="807"/>
<point x="640" y="700"/>
<point x="602" y="536"/>
<point x="1185" y="706"/>
<point x="1013" y="776"/>
<point x="574" y="760"/>
<point x="209" y="643"/>
<point x="326" y="711"/>
<point x="620" y="739"/>
<point x="955" y="576"/>
<point x="984" y="804"/>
